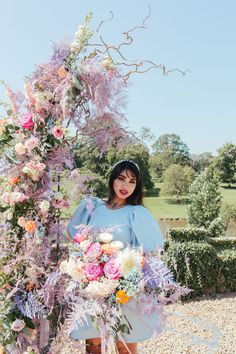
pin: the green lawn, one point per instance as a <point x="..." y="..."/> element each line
<point x="160" y="207"/>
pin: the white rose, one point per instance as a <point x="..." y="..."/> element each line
<point x="20" y="149"/>
<point x="64" y="267"/>
<point x="117" y="245"/>
<point x="105" y="237"/>
<point x="84" y="244"/>
<point x="21" y="221"/>
<point x="44" y="206"/>
<point x="8" y="214"/>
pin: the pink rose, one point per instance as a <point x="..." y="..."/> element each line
<point x="94" y="251"/>
<point x="31" y="143"/>
<point x="27" y="121"/>
<point x="18" y="325"/>
<point x="80" y="237"/>
<point x="93" y="271"/>
<point x="112" y="270"/>
<point x="57" y="132"/>
<point x="82" y="234"/>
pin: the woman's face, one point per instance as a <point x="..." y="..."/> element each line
<point x="124" y="184"/>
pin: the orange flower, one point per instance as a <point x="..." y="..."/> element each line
<point x="107" y="249"/>
<point x="142" y="261"/>
<point x="14" y="180"/>
<point x="30" y="226"/>
<point x="122" y="297"/>
<point x="62" y="73"/>
<point x="2" y="350"/>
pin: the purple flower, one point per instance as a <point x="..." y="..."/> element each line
<point x="60" y="54"/>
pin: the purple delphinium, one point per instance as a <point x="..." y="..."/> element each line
<point x="29" y="306"/>
<point x="156" y="274"/>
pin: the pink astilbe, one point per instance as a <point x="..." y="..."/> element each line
<point x="107" y="92"/>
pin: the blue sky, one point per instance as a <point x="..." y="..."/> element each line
<point x="188" y="34"/>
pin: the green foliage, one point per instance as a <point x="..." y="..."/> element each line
<point x="227" y="269"/>
<point x="168" y="150"/>
<point x="188" y="234"/>
<point x="201" y="161"/>
<point x="223" y="243"/>
<point x="88" y="156"/>
<point x="228" y="213"/>
<point x="194" y="264"/>
<point x="177" y="180"/>
<point x="203" y="263"/>
<point x="225" y="162"/>
<point x="205" y="199"/>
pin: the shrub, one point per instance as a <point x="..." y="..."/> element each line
<point x="195" y="265"/>
<point x="227" y="270"/>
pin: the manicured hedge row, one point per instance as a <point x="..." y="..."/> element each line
<point x="187" y="234"/>
<point x="194" y="264"/>
<point x="202" y="263"/>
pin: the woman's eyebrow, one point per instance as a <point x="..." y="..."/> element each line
<point x="132" y="178"/>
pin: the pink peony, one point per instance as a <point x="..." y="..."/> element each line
<point x="27" y="121"/>
<point x="93" y="271"/>
<point x="112" y="270"/>
<point x="94" y="251"/>
<point x="57" y="132"/>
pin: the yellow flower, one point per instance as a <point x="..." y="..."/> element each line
<point x="122" y="297"/>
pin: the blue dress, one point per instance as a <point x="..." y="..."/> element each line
<point x="134" y="225"/>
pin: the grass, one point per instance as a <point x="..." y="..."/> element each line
<point x="161" y="208"/>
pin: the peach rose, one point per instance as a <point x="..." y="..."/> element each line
<point x="62" y="73"/>
<point x="107" y="249"/>
<point x="30" y="226"/>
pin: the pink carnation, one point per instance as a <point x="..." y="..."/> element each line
<point x="112" y="270"/>
<point x="93" y="271"/>
<point x="57" y="132"/>
<point x="27" y="121"/>
<point x="94" y="251"/>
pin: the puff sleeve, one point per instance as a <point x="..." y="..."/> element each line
<point x="81" y="215"/>
<point x="145" y="230"/>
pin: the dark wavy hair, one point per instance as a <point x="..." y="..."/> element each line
<point x="136" y="198"/>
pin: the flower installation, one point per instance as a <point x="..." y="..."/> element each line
<point x="83" y="85"/>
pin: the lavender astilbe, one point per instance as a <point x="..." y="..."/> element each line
<point x="4" y="166"/>
<point x="29" y="305"/>
<point x="60" y="53"/>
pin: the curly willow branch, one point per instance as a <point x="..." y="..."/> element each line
<point x="110" y="50"/>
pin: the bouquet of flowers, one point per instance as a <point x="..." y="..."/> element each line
<point x="101" y="274"/>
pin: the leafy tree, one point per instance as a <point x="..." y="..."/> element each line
<point x="201" y="161"/>
<point x="205" y="202"/>
<point x="167" y="150"/>
<point x="225" y="162"/>
<point x="88" y="157"/>
<point x="177" y="180"/>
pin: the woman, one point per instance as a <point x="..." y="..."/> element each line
<point x="132" y="224"/>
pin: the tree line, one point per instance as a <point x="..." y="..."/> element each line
<point x="168" y="161"/>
